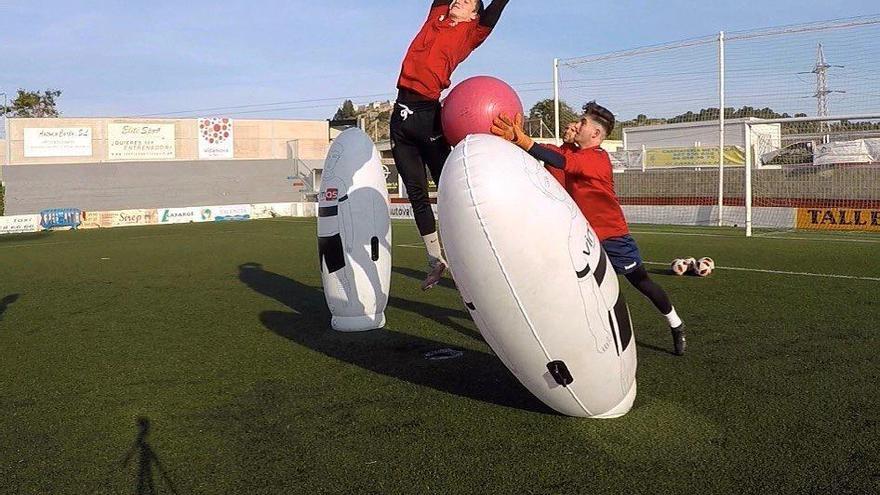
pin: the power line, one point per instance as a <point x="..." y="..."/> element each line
<point x="252" y="107"/>
<point x="291" y="102"/>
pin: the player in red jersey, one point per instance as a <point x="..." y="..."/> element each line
<point x="568" y="144"/>
<point x="589" y="179"/>
<point x="453" y="30"/>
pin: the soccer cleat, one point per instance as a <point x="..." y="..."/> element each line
<point x="435" y="274"/>
<point x="679" y="340"/>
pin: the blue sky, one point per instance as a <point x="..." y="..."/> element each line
<point x="117" y="58"/>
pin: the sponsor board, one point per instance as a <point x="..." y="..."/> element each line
<point x="693" y="157"/>
<point x="140" y="141"/>
<point x="122" y="218"/>
<point x="193" y="214"/>
<point x="20" y="224"/>
<point x="178" y="215"/>
<point x="838" y="219"/>
<point x="95" y="219"/>
<point x="44" y="142"/>
<point x="272" y="210"/>
<point x="226" y="213"/>
<point x="400" y="211"/>
<point x="215" y="139"/>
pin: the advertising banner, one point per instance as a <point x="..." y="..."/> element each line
<point x="215" y="139"/>
<point x="838" y="219"/>
<point x="399" y="211"/>
<point x="46" y="142"/>
<point x="179" y="215"/>
<point x="20" y="224"/>
<point x="140" y="141"/>
<point x="123" y="218"/>
<point x="225" y="213"/>
<point x="693" y="157"/>
<point x="272" y="210"/>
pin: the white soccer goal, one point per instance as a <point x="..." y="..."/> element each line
<point x="795" y="148"/>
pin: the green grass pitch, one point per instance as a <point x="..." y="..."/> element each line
<point x="215" y="337"/>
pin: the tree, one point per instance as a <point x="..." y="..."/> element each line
<point x="346" y="111"/>
<point x="546" y="111"/>
<point x="34" y="104"/>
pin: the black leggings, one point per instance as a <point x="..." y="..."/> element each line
<point x="416" y="141"/>
<point x="640" y="280"/>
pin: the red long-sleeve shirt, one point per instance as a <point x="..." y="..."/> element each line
<point x="589" y="180"/>
<point x="441" y="46"/>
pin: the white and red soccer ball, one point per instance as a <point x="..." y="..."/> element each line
<point x="701" y="267"/>
<point x="679" y="267"/>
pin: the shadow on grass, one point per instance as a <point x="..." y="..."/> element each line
<point x="655" y="348"/>
<point x="420" y="276"/>
<point x="147" y="461"/>
<point x="33" y="236"/>
<point x="476" y="375"/>
<point x="6" y="301"/>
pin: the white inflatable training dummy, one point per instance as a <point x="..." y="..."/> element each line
<point x="536" y="280"/>
<point x="354" y="234"/>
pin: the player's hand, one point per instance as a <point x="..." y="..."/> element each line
<point x="503" y="127"/>
<point x="512" y="130"/>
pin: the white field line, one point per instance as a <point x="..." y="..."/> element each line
<point x="733" y="268"/>
<point x="757" y="236"/>
<point x="781" y="272"/>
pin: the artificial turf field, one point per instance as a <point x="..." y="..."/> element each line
<point x="212" y="340"/>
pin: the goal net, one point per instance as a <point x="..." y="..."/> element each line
<point x="799" y="131"/>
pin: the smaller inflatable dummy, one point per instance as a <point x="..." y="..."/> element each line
<point x="354" y="234"/>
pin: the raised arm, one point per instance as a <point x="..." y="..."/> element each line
<point x="440" y="3"/>
<point x="492" y="13"/>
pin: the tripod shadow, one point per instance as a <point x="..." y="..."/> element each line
<point x="146" y="459"/>
<point x="6" y="301"/>
<point x="476" y="375"/>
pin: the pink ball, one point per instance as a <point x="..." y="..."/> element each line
<point x="473" y="104"/>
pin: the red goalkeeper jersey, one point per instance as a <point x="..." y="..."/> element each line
<point x="437" y="50"/>
<point x="590" y="182"/>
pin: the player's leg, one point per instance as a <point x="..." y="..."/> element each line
<point x="627" y="261"/>
<point x="435" y="150"/>
<point x="406" y="130"/>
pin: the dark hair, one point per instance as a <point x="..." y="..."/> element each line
<point x="480" y="8"/>
<point x="601" y="115"/>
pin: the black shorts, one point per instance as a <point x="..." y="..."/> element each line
<point x="623" y="253"/>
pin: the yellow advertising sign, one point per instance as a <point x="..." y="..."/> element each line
<point x="693" y="157"/>
<point x="838" y="219"/>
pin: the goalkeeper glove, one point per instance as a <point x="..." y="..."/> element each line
<point x="512" y="130"/>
